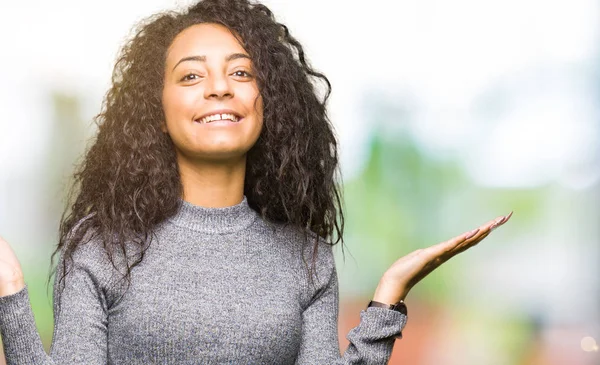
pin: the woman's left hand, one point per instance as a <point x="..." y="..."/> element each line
<point x="412" y="268"/>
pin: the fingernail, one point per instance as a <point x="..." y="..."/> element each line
<point x="472" y="233"/>
<point x="497" y="224"/>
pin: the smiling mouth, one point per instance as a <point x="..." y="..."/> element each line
<point x="219" y="117"/>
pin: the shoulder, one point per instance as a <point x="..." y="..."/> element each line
<point x="314" y="254"/>
<point x="308" y="256"/>
<point x="84" y="251"/>
<point x="83" y="244"/>
<point x="318" y="249"/>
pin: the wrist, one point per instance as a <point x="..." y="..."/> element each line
<point x="388" y="293"/>
<point x="399" y="307"/>
<point x="11" y="287"/>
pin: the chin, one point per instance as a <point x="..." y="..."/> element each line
<point x="221" y="155"/>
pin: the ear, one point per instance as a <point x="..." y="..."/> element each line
<point x="163" y="127"/>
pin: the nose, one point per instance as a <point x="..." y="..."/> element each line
<point x="217" y="87"/>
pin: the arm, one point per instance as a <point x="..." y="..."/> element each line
<point x="80" y="326"/>
<point x="371" y="342"/>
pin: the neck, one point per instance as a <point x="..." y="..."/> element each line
<point x="212" y="184"/>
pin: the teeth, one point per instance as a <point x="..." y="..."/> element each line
<point x="212" y="118"/>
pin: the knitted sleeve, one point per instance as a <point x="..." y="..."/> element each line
<point x="80" y="328"/>
<point x="371" y="342"/>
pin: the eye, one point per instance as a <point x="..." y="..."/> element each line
<point x="242" y="73"/>
<point x="190" y="77"/>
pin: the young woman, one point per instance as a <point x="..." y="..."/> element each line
<point x="205" y="212"/>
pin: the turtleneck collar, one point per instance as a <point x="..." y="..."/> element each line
<point x="214" y="220"/>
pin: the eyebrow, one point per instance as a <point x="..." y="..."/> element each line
<point x="231" y="57"/>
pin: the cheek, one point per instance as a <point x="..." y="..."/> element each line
<point x="177" y="104"/>
<point x="172" y="104"/>
<point x="257" y="106"/>
<point x="252" y="99"/>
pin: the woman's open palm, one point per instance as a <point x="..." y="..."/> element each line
<point x="412" y="268"/>
<point x="11" y="275"/>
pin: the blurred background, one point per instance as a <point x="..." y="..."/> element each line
<point x="448" y="114"/>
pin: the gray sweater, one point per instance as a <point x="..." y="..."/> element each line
<point x="216" y="286"/>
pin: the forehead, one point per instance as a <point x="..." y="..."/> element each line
<point x="203" y="40"/>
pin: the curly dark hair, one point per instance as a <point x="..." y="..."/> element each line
<point x="128" y="181"/>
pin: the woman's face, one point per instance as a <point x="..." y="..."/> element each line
<point x="211" y="101"/>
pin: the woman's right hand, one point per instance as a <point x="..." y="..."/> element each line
<point x="11" y="275"/>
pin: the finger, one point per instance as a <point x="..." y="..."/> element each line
<point x="501" y="222"/>
<point x="460" y="243"/>
<point x="448" y="245"/>
<point x="437" y="254"/>
<point x="466" y="245"/>
<point x="490" y="226"/>
<point x="492" y="223"/>
<point x="478" y="238"/>
<point x="483" y="234"/>
<point x="431" y="259"/>
<point x="472" y="236"/>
